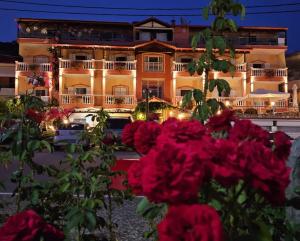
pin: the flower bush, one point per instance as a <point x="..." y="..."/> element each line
<point x="229" y="170"/>
<point x="29" y="226"/>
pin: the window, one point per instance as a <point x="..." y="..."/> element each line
<point x="40" y="59"/>
<point x="258" y="66"/>
<point x="120" y="90"/>
<point x="145" y="36"/>
<point x="80" y="57"/>
<point x="183" y="92"/>
<point x="40" y="93"/>
<point x="153" y="63"/>
<point x="186" y="60"/>
<point x="121" y="58"/>
<point x="11" y="82"/>
<point x="162" y="36"/>
<point x="80" y="91"/>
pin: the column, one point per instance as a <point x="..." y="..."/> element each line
<point x="92" y="80"/>
<point x="252" y="83"/>
<point x="244" y="84"/>
<point x="286" y="89"/>
<point x="134" y="84"/>
<point x="104" y="74"/>
<point x="60" y="85"/>
<point x="50" y="83"/>
<point x="174" y="86"/>
<point x="203" y="80"/>
<point x="17" y="83"/>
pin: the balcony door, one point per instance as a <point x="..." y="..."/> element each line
<point x="155" y="88"/>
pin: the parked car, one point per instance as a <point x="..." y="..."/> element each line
<point x="116" y="123"/>
<point x="70" y="133"/>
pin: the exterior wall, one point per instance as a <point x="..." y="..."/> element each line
<point x="165" y="75"/>
<point x="28" y="51"/>
<point x="275" y="59"/>
<point x="268" y="86"/>
<point x="113" y="81"/>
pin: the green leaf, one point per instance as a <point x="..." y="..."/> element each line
<point x="205" y="12"/>
<point x="220" y="43"/>
<point x="209" y="45"/>
<point x="198" y="95"/>
<point x="191" y="67"/>
<point x="231" y="25"/>
<point x="71" y="148"/>
<point x="195" y="40"/>
<point x="211" y="85"/>
<point x="91" y="220"/>
<point x="214" y="105"/>
<point x="143" y="205"/>
<point x="187" y="99"/>
<point x="46" y="145"/>
<point x="65" y="187"/>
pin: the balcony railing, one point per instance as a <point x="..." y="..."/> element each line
<point x="269" y="72"/>
<point x="180" y="66"/>
<point x="76" y="64"/>
<point x="122" y="99"/>
<point x="67" y="99"/>
<point x="120" y="65"/>
<point x="43" y="67"/>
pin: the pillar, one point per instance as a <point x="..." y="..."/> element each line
<point x="286" y="89"/>
<point x="104" y="74"/>
<point x="174" y="77"/>
<point x="244" y="84"/>
<point x="92" y="80"/>
<point x="134" y="83"/>
<point x="252" y="83"/>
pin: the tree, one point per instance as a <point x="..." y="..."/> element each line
<point x="216" y="46"/>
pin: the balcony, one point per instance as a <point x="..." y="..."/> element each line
<point x="119" y="100"/>
<point x="181" y="67"/>
<point x="74" y="99"/>
<point x="120" y="65"/>
<point x="269" y="72"/>
<point x="76" y="64"/>
<point x="25" y="67"/>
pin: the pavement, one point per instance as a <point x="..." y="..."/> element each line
<point x="46" y="158"/>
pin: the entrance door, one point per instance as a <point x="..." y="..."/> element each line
<point x="155" y="88"/>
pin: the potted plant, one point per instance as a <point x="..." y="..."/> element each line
<point x="120" y="66"/>
<point x="269" y="73"/>
<point x="34" y="67"/>
<point x="119" y="100"/>
<point x="77" y="64"/>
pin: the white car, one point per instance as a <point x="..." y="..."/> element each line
<point x="70" y="133"/>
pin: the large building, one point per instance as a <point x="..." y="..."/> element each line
<point x="86" y="64"/>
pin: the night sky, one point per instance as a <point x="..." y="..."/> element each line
<point x="290" y="20"/>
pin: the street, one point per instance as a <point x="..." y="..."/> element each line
<point x="46" y="158"/>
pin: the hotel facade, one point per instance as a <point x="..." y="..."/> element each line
<point x="87" y="65"/>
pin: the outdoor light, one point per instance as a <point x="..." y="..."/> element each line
<point x="272" y="103"/>
<point x="66" y="121"/>
<point x="227" y="103"/>
<point x="219" y="112"/>
<point x="180" y="116"/>
<point x="51" y="127"/>
<point x="171" y="114"/>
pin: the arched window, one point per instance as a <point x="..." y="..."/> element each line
<point x="39" y="59"/>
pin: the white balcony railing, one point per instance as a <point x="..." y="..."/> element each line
<point x="280" y="72"/>
<point x="180" y="67"/>
<point x="43" y="67"/>
<point x="241" y="67"/>
<point x="122" y="99"/>
<point x="67" y="99"/>
<point x="76" y="64"/>
<point x="120" y="65"/>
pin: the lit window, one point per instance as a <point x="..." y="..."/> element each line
<point x="80" y="91"/>
<point x="153" y="63"/>
<point x="40" y="59"/>
<point x="119" y="90"/>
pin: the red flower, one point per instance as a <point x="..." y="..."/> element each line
<point x="135" y="178"/>
<point x="264" y="172"/>
<point x="191" y="223"/>
<point x="145" y="136"/>
<point x="183" y="131"/>
<point x="129" y="131"/>
<point x="173" y="172"/>
<point x="35" y="115"/>
<point x="282" y="145"/>
<point x="227" y="168"/>
<point x="245" y="130"/>
<point x="221" y="122"/>
<point x="28" y="226"/>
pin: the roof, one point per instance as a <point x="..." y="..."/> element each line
<point x="9" y="59"/>
<point x="137" y="23"/>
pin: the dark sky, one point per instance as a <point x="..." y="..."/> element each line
<point x="8" y="25"/>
